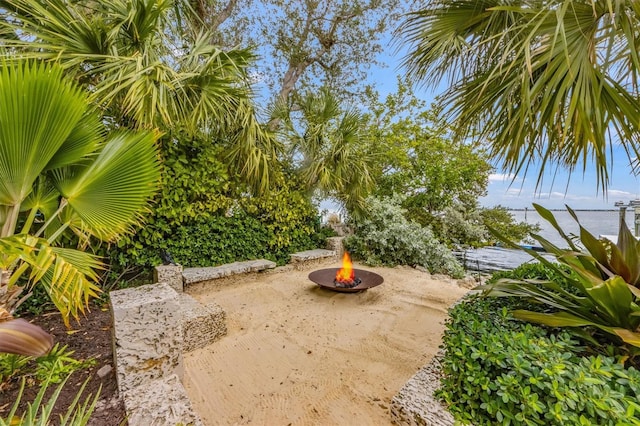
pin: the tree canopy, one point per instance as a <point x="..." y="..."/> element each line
<point x="145" y="71"/>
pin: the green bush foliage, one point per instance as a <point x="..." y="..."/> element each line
<point x="532" y="271"/>
<point x="458" y="226"/>
<point x="386" y="237"/>
<point x="205" y="216"/>
<point x="500" y="219"/>
<point x="500" y="371"/>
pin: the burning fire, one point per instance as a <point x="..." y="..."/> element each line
<point x="345" y="274"/>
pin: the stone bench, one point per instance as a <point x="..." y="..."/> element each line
<point x="416" y="405"/>
<point x="197" y="275"/>
<point x="306" y="258"/>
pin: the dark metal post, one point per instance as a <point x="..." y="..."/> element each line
<point x="623" y="214"/>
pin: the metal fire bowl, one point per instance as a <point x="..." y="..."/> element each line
<point x="324" y="278"/>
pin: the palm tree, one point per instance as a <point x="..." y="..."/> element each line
<point x="60" y="171"/>
<point x="144" y="70"/>
<point x="329" y="155"/>
<point x="547" y="82"/>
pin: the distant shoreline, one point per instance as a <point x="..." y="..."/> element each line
<point x="564" y="210"/>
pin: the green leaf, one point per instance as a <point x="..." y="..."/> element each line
<point x="110" y="193"/>
<point x="549" y="217"/>
<point x="559" y="319"/>
<point x="613" y="299"/>
<point x="39" y="110"/>
<point x="628" y="336"/>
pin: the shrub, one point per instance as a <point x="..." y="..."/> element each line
<point x="386" y="237"/>
<point x="602" y="282"/>
<point x="54" y="367"/>
<point x="533" y="271"/>
<point x="503" y="221"/>
<point x="204" y="215"/>
<point x="500" y="371"/>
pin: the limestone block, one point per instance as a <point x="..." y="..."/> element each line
<point x="194" y="275"/>
<point x="147" y="334"/>
<point x="160" y="402"/>
<point x="415" y="404"/>
<point x="308" y="258"/>
<point x="335" y="244"/>
<point x="170" y="274"/>
<point x="304" y="256"/>
<point x="201" y="324"/>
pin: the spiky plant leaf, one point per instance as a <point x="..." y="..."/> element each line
<point x="604" y="299"/>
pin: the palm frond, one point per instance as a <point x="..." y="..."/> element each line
<point x="110" y="193"/>
<point x="40" y="110"/>
<point x="545" y="82"/>
<point x="70" y="280"/>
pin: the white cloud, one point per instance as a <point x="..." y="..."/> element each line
<point x="555" y="195"/>
<point x="514" y="192"/>
<point x="500" y="177"/>
<point x="616" y="193"/>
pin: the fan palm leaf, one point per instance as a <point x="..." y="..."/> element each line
<point x="40" y="111"/>
<point x="112" y="191"/>
<point x="56" y="163"/>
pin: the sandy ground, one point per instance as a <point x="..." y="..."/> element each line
<point x="297" y="354"/>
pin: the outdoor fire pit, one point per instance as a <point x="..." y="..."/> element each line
<point x="345" y="279"/>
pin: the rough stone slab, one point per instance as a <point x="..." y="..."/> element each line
<point x="201" y="324"/>
<point x="170" y="274"/>
<point x="161" y="402"/>
<point x="415" y="404"/>
<point x="304" y="256"/>
<point x="147" y="334"/>
<point x="194" y="275"/>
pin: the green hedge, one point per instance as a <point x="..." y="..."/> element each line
<point x="224" y="239"/>
<point x="204" y="215"/>
<point x="501" y="371"/>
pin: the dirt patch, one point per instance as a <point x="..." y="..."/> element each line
<point x="89" y="339"/>
<point x="299" y="354"/>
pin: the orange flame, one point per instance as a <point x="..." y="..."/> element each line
<point x="346" y="274"/>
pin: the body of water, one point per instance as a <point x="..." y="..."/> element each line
<point x="598" y="222"/>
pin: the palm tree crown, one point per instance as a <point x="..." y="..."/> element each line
<point x="552" y="82"/>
